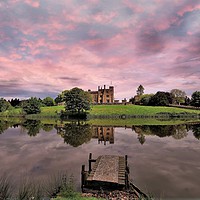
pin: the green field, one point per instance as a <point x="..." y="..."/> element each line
<point x="104" y="110"/>
<point x="136" y="110"/>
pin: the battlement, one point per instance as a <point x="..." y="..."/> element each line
<point x="103" y="95"/>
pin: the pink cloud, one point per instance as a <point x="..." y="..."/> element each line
<point x="134" y="6"/>
<point x="188" y="8"/>
<point x="33" y="3"/>
<point x="104" y="18"/>
<point x="152" y="46"/>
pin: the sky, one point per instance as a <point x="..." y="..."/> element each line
<point x="47" y="46"/>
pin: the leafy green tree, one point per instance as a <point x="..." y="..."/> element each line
<point x="161" y="99"/>
<point x="61" y="97"/>
<point x="140" y="90"/>
<point x="145" y="98"/>
<point x="195" y="100"/>
<point x="4" y="105"/>
<point x="48" y="101"/>
<point x="77" y="100"/>
<point x="31" y="106"/>
<point x="179" y="95"/>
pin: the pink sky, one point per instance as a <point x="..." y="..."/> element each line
<point x="47" y="46"/>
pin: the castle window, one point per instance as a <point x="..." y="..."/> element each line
<point x="107" y="96"/>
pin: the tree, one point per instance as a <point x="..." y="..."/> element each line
<point x="161" y="99"/>
<point x="141" y="138"/>
<point x="140" y="90"/>
<point x="145" y="99"/>
<point x="77" y="100"/>
<point x="195" y="100"/>
<point x="15" y="102"/>
<point x="61" y="97"/>
<point x="48" y="101"/>
<point x="32" y="126"/>
<point x="4" y="105"/>
<point x="31" y="106"/>
<point x="179" y="95"/>
<point x="196" y="131"/>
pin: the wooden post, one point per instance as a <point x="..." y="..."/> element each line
<point x="82" y="177"/>
<point x="90" y="165"/>
<point x="126" y="158"/>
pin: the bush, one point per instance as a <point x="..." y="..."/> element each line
<point x="31" y="106"/>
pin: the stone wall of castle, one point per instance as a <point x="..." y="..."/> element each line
<point x="103" y="95"/>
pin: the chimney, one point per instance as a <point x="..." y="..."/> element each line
<point x="104" y="87"/>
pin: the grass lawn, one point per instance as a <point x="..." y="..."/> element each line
<point x="106" y="110"/>
<point x="135" y="110"/>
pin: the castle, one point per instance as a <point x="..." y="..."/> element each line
<point x="103" y="95"/>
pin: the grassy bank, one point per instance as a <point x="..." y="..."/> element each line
<point x="109" y="111"/>
<point x="138" y="121"/>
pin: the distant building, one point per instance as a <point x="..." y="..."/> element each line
<point x="103" y="95"/>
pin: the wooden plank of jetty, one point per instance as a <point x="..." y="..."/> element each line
<point x="107" y="169"/>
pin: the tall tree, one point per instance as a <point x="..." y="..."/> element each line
<point x="140" y="90"/>
<point x="77" y="100"/>
<point x="195" y="100"/>
<point x="179" y="95"/>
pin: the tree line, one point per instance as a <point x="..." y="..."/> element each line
<point x="75" y="100"/>
<point x="175" y="96"/>
<point x="78" y="101"/>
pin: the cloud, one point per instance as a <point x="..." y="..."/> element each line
<point x="50" y="46"/>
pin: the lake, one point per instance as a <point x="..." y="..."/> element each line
<point x="163" y="160"/>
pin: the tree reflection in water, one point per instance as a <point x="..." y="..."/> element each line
<point x="47" y="127"/>
<point x="196" y="131"/>
<point x="176" y="131"/>
<point x="75" y="133"/>
<point x="32" y="126"/>
<point x="4" y="125"/>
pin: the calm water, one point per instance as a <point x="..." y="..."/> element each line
<point x="164" y="160"/>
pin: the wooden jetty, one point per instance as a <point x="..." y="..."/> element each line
<point x="108" y="171"/>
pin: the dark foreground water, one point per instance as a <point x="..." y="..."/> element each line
<point x="164" y="160"/>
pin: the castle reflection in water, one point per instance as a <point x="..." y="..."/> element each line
<point x="103" y="134"/>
